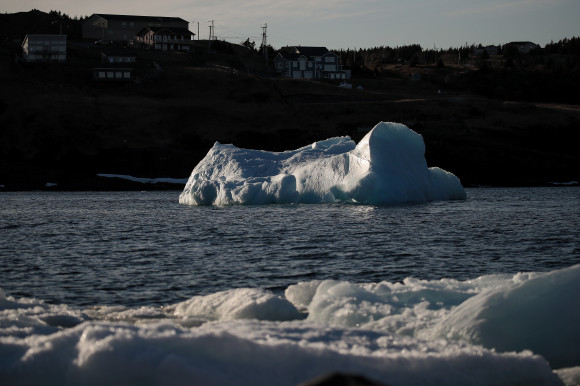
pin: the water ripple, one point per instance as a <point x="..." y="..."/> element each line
<point x="139" y="248"/>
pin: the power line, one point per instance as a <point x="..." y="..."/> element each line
<point x="238" y="34"/>
<point x="237" y="37"/>
<point x="213" y="36"/>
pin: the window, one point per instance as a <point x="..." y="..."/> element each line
<point x="302" y="65"/>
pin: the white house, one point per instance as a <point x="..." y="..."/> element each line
<point x="309" y="63"/>
<point x="44" y="48"/>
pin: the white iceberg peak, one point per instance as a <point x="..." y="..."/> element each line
<point x="387" y="167"/>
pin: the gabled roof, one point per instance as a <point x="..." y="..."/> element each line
<point x="520" y="43"/>
<point x="311" y="51"/>
<point x="116" y="54"/>
<point x="33" y="37"/>
<point x="147" y="19"/>
<point x="45" y="36"/>
<point x="291" y="56"/>
<point x="295" y="52"/>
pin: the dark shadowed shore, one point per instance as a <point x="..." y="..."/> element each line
<point x="60" y="128"/>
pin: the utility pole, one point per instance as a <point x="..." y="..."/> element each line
<point x="193" y="42"/>
<point x="211" y="32"/>
<point x="197" y="29"/>
<point x="435" y="50"/>
<point x="264" y="45"/>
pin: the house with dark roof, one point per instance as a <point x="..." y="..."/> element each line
<point x="523" y="47"/>
<point x="491" y="50"/>
<point x="124" y="28"/>
<point x="309" y="63"/>
<point x="166" y="38"/>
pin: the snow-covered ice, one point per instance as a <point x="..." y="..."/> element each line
<point x="387" y="166"/>
<point x="417" y="332"/>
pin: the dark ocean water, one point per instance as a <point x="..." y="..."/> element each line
<point x="143" y="248"/>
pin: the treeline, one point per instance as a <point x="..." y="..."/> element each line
<point x="17" y="25"/>
<point x="64" y="16"/>
<point x="562" y="57"/>
<point x="564" y="47"/>
<point x="414" y="54"/>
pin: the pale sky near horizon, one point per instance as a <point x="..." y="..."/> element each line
<point x="349" y="24"/>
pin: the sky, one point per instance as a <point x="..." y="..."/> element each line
<point x="344" y="24"/>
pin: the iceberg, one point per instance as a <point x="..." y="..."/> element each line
<point x="387" y="166"/>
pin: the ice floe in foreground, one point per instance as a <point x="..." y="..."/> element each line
<point x="386" y="167"/>
<point x="500" y="329"/>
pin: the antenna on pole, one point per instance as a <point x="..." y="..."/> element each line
<point x="264" y="44"/>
